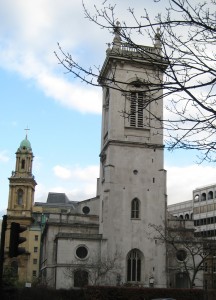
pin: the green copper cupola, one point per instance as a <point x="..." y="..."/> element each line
<point x="25" y="144"/>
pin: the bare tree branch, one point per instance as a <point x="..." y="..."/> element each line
<point x="185" y="36"/>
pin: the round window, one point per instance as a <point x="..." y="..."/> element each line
<point x="181" y="255"/>
<point x="86" y="210"/>
<point x="81" y="252"/>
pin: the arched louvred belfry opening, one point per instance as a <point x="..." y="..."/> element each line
<point x="134" y="265"/>
<point x="135" y="209"/>
<point x="80" y="278"/>
<point x="137" y="105"/>
<point x="23" y="164"/>
<point x="20" y="197"/>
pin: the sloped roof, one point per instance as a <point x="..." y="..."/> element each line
<point x="57" y="198"/>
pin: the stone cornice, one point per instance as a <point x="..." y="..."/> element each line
<point x="84" y="236"/>
<point x="24" y="180"/>
<point x="130" y="144"/>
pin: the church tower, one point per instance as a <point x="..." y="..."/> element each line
<point x="132" y="175"/>
<point x="22" y="185"/>
<point x="20" y="204"/>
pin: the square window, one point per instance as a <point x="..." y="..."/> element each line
<point x="36" y="237"/>
<point x="34" y="273"/>
<point x="35" y="261"/>
<point x="35" y="249"/>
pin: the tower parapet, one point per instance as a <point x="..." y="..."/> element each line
<point x="133" y="52"/>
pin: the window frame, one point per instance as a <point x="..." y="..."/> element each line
<point x="81" y="278"/>
<point x="137" y="105"/>
<point x="23" y="164"/>
<point x="135" y="209"/>
<point x="134" y="266"/>
<point x="20" y="194"/>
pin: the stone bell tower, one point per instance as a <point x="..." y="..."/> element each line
<point x="20" y="204"/>
<point x="132" y="175"/>
<point x="22" y="184"/>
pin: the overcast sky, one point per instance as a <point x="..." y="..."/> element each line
<point x="64" y="114"/>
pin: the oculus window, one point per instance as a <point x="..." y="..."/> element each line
<point x="81" y="252"/>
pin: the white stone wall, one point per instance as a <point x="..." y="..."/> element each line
<point x="63" y="233"/>
<point x="93" y="204"/>
<point x="68" y="261"/>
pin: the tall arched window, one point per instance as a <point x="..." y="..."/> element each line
<point x="20" y="197"/>
<point x="134" y="265"/>
<point x="80" y="278"/>
<point x="135" y="209"/>
<point x="182" y="280"/>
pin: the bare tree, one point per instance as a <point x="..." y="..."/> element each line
<point x="187" y="254"/>
<point x="185" y="36"/>
<point x="94" y="271"/>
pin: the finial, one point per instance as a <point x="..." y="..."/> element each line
<point x="118" y="24"/>
<point x="108" y="49"/>
<point x="117" y="29"/>
<point x="158" y="38"/>
<point x="117" y="37"/>
<point x="26" y="129"/>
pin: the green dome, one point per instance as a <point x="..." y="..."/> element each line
<point x="25" y="144"/>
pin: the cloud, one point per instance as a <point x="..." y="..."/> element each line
<point x="3" y="156"/>
<point x="28" y="41"/>
<point x="71" y="95"/>
<point x="87" y="174"/>
<point x="77" y="183"/>
<point x="62" y="172"/>
<point x="29" y="34"/>
<point x="181" y="181"/>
